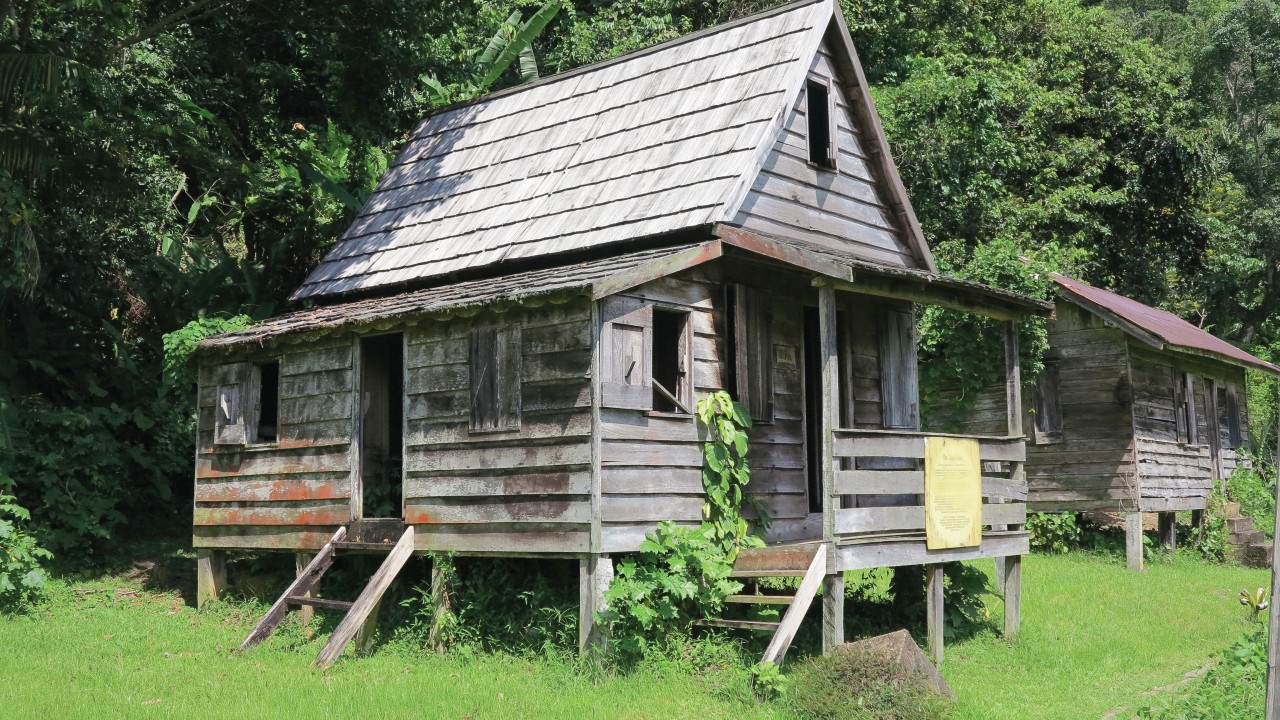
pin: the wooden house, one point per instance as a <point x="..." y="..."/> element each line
<point x="506" y="346"/>
<point x="1137" y="411"/>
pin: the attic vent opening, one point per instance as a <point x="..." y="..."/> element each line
<point x="818" y="116"/>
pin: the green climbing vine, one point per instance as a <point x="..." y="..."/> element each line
<point x="726" y="474"/>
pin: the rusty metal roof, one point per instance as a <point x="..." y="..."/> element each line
<point x="1154" y="326"/>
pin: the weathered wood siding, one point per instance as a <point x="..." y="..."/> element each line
<point x="526" y="490"/>
<point x="1179" y="475"/>
<point x="651" y="463"/>
<point x="287" y="494"/>
<point x="1093" y="467"/>
<point x="843" y="209"/>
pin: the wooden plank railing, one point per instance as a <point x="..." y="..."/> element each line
<point x="889" y="462"/>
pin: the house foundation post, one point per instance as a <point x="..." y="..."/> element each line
<point x="211" y="575"/>
<point x="300" y="561"/>
<point x="1011" y="585"/>
<point x="594" y="577"/>
<point x="832" y="612"/>
<point x="1169" y="531"/>
<point x="1133" y="540"/>
<point x="934" y="576"/>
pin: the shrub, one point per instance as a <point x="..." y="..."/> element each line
<point x="1052" y="533"/>
<point x="679" y="575"/>
<point x="1212" y="541"/>
<point x="1256" y="493"/>
<point x="1234" y="689"/>
<point x="848" y="685"/>
<point x="21" y="578"/>
<point x="516" y="606"/>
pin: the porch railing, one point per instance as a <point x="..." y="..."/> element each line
<point x="878" y="464"/>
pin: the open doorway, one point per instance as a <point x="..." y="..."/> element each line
<point x="381" y="425"/>
<point x="812" y="382"/>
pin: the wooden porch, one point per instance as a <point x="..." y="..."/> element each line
<point x="873" y="484"/>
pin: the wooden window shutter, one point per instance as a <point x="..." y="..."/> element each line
<point x="1189" y="408"/>
<point x="626" y="354"/>
<point x="899" y="384"/>
<point x="1180" y="408"/>
<point x="495" y="378"/>
<point x="1234" y="435"/>
<point x="753" y="346"/>
<point x="1047" y="423"/>
<point x="236" y="403"/>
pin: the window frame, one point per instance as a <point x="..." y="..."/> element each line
<point x="832" y="150"/>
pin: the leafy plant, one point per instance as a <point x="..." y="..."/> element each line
<point x="513" y="40"/>
<point x="1256" y="601"/>
<point x="22" y="579"/>
<point x="1234" y="689"/>
<point x="180" y="344"/>
<point x="1212" y="540"/>
<point x="768" y="681"/>
<point x="1054" y="533"/>
<point x="679" y="575"/>
<point x="726" y="474"/>
<point x="1255" y="489"/>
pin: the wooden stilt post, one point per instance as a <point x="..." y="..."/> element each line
<point x="1169" y="531"/>
<point x="1273" y="644"/>
<point x="1011" y="584"/>
<point x="364" y="636"/>
<point x="832" y="612"/>
<point x="300" y="562"/>
<point x="211" y="575"/>
<point x="440" y="598"/>
<point x="594" y="576"/>
<point x="1013" y="423"/>
<point x="1133" y="540"/>
<point x="934" y="576"/>
<point x="833" y="584"/>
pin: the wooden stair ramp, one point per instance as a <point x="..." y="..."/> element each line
<point x="296" y="593"/>
<point x="808" y="562"/>
<point x="359" y="610"/>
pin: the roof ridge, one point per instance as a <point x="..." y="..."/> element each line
<point x="624" y="57"/>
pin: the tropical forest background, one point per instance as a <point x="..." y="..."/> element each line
<point x="175" y="167"/>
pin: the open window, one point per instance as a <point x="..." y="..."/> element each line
<point x="269" y="402"/>
<point x="247" y="403"/>
<point x="752" y="351"/>
<point x="1046" y="425"/>
<point x="495" y="378"/>
<point x="820" y="125"/>
<point x="899" y="383"/>
<point x="669" y="362"/>
<point x="646" y="357"/>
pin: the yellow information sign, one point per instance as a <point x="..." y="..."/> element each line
<point x="952" y="493"/>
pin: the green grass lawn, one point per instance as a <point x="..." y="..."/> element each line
<point x="1093" y="637"/>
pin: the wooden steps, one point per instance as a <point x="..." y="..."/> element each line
<point x="757" y="625"/>
<point x="807" y="561"/>
<point x="357" y="611"/>
<point x="760" y="599"/>
<point x="320" y="603"/>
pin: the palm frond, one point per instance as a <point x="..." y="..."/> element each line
<point x="516" y="44"/>
<point x="528" y="65"/>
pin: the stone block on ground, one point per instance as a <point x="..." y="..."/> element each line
<point x="900" y="649"/>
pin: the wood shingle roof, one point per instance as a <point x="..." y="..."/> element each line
<point x="658" y="141"/>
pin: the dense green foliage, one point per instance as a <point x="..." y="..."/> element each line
<point x="1255" y="490"/>
<point x="167" y="160"/>
<point x="1233" y="689"/>
<point x="1054" y="532"/>
<point x="680" y="574"/>
<point x="21" y="578"/>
